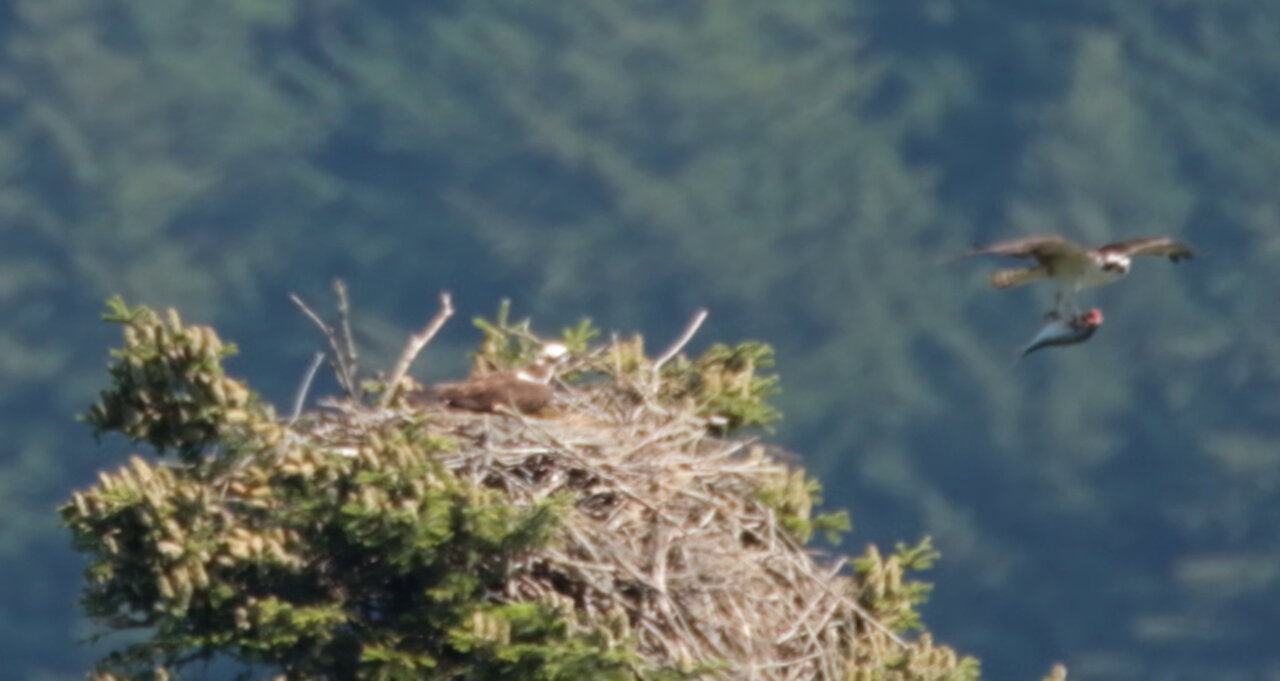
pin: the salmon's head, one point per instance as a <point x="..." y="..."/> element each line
<point x="1091" y="319"/>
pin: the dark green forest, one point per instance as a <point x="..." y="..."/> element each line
<point x="801" y="169"/>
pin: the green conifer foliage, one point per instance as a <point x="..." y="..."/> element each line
<point x="168" y="387"/>
<point x="363" y="542"/>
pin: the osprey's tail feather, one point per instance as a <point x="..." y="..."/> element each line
<point x="1017" y="276"/>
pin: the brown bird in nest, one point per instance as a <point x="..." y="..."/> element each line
<point x="527" y="390"/>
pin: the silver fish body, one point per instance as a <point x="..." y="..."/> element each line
<point x="1064" y="331"/>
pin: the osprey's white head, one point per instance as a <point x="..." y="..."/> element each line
<point x="1115" y="263"/>
<point x="553" y="352"/>
<point x="543" y="368"/>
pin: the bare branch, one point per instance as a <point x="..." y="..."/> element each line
<point x="344" y="374"/>
<point x="684" y="339"/>
<point x="314" y="317"/>
<point x="417" y="342"/>
<point x="301" y="397"/>
<point x="344" y="318"/>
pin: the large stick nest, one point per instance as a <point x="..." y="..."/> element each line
<point x="670" y="532"/>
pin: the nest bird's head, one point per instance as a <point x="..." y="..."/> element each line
<point x="543" y="368"/>
<point x="553" y="353"/>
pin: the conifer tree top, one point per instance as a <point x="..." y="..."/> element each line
<point x="627" y="531"/>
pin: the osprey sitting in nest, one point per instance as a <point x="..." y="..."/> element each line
<point x="527" y="390"/>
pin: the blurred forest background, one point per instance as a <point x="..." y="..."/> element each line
<point x="799" y="167"/>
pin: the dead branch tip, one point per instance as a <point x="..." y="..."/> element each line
<point x="683" y="340"/>
<point x="301" y="397"/>
<point x="416" y="343"/>
<point x="344" y="352"/>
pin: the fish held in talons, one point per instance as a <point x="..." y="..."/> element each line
<point x="1064" y="330"/>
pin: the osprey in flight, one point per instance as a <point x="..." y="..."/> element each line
<point x="1075" y="267"/>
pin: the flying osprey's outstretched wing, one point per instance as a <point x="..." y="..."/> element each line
<point x="1151" y="245"/>
<point x="1054" y="256"/>
<point x="1044" y="249"/>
